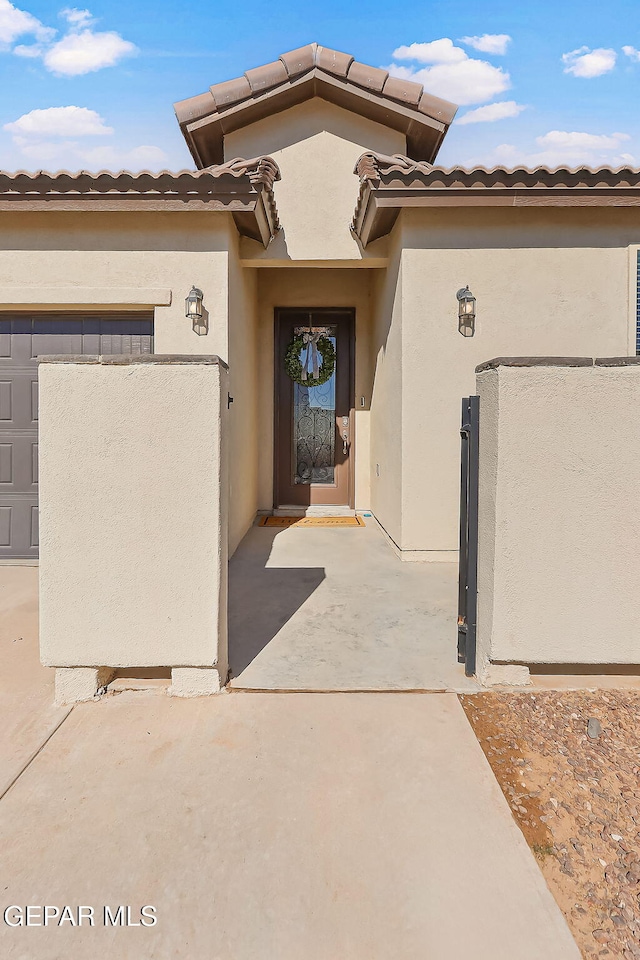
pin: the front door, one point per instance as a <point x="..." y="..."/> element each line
<point x="313" y="424"/>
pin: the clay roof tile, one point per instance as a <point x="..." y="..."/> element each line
<point x="300" y="61"/>
<point x="195" y="107"/>
<point x="404" y="91"/>
<point x="266" y="77"/>
<point x="436" y="107"/>
<point x="371" y="78"/>
<point x="333" y="61"/>
<point x="229" y="92"/>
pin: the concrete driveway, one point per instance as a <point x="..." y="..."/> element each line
<point x="260" y="826"/>
<point x="27" y="714"/>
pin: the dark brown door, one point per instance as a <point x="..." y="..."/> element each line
<point x="23" y="338"/>
<point x="313" y="425"/>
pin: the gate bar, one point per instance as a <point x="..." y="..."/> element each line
<point x="468" y="569"/>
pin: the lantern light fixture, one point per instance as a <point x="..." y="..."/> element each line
<point x="466" y="312"/>
<point x="193" y="304"/>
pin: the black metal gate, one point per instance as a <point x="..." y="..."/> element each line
<point x="468" y="569"/>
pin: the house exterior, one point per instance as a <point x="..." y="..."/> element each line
<point x="316" y="206"/>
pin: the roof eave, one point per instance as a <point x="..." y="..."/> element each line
<point x="378" y="210"/>
<point x="205" y="135"/>
<point x="243" y="188"/>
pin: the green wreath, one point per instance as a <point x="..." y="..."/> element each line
<point x="293" y="365"/>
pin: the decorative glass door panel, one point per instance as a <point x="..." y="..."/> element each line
<point x="314" y="414"/>
<point x="314" y="447"/>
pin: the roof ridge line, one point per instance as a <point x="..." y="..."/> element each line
<point x="357" y="86"/>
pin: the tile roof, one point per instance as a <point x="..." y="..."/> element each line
<point x="241" y="187"/>
<point x="298" y="75"/>
<point x="375" y="166"/>
<point x="400" y="181"/>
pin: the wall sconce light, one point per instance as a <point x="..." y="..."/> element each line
<point x="466" y="312"/>
<point x="193" y="304"/>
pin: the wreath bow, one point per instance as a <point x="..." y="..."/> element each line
<point x="311" y="363"/>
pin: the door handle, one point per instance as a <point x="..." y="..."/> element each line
<point x="345" y="443"/>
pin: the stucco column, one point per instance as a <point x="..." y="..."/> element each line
<point x="558" y="515"/>
<point x="133" y="520"/>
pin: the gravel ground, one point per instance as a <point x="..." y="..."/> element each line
<point x="576" y="799"/>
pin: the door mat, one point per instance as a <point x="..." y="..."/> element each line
<point x="311" y="522"/>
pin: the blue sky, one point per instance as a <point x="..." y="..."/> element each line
<point x="538" y="83"/>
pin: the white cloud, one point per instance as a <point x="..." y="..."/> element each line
<point x="586" y="63"/>
<point x="16" y="23"/>
<point x="437" y="51"/>
<point x="492" y="112"/>
<point x="60" y="122"/>
<point x="563" y="148"/>
<point x="145" y="157"/>
<point x="471" y="81"/>
<point x="77" y="18"/>
<point x="81" y="50"/>
<point x="632" y="53"/>
<point x="495" y="43"/>
<point x="57" y="137"/>
<point x="85" y="52"/>
<point x="452" y="74"/>
<point x="72" y="155"/>
<point x="32" y="50"/>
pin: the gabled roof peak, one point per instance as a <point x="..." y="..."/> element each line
<point x="310" y="71"/>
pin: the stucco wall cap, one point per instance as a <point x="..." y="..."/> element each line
<point x="617" y="361"/>
<point x="123" y="360"/>
<point x="534" y="362"/>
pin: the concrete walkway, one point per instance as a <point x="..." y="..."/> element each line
<point x="261" y="826"/>
<point x="274" y="827"/>
<point x="318" y="608"/>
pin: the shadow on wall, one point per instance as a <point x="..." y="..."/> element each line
<point x="262" y="599"/>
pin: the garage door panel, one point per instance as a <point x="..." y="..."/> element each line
<point x="18" y="464"/>
<point x="7" y="404"/>
<point x="22" y="339"/>
<point x="5" y="525"/>
<point x="6" y="464"/>
<point x="19" y="530"/>
<point x="19" y="400"/>
<point x="34" y="528"/>
<point x="56" y="336"/>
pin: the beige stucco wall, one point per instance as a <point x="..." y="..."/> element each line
<point x="559" y="515"/>
<point x="547" y="282"/>
<point x="131" y="261"/>
<point x="133" y="515"/>
<point x="302" y="287"/>
<point x="107" y="258"/>
<point x="385" y="465"/>
<point x="242" y="421"/>
<point x="316" y="145"/>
